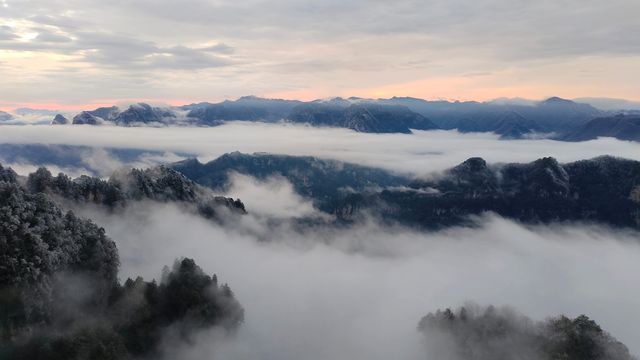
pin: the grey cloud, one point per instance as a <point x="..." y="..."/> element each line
<point x="512" y="29"/>
<point x="266" y="46"/>
<point x="118" y="50"/>
<point x="6" y="33"/>
<point x="51" y="37"/>
<point x="183" y="57"/>
<point x="219" y="48"/>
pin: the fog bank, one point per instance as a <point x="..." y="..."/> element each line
<point x="358" y="293"/>
<point x="420" y="153"/>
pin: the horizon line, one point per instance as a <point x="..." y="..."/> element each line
<point x="55" y="106"/>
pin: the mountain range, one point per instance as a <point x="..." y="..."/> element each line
<point x="621" y="126"/>
<point x="62" y="297"/>
<point x="604" y="189"/>
<point x="554" y="118"/>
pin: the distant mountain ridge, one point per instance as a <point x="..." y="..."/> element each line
<point x="4" y="116"/>
<point x="136" y="114"/>
<point x="554" y="117"/>
<point x="508" y="120"/>
<point x="361" y="117"/>
<point x="623" y="127"/>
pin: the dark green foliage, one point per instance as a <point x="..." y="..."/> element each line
<point x="8" y="175"/>
<point x="158" y="184"/>
<point x="503" y="334"/>
<point x="186" y="299"/>
<point x="59" y="293"/>
<point x="86" y="343"/>
<point x="134" y="321"/>
<point x="38" y="240"/>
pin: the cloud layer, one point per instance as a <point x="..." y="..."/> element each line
<point x="55" y="51"/>
<point x="420" y="154"/>
<point x="359" y="292"/>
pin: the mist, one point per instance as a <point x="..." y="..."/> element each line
<point x="355" y="292"/>
<point x="359" y="292"/>
<point x="420" y="153"/>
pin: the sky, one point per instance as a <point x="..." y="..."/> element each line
<point x="83" y="53"/>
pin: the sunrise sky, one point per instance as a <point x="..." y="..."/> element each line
<point x="77" y="54"/>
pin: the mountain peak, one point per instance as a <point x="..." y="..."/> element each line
<point x="59" y="119"/>
<point x="556" y="100"/>
<point x="474" y="164"/>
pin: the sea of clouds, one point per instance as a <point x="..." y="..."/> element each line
<point x="420" y="153"/>
<point x="357" y="292"/>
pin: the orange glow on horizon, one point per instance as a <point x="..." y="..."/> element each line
<point x="452" y="88"/>
<point x="53" y="105"/>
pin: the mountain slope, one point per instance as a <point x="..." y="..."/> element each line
<point x="623" y="127"/>
<point x="551" y="115"/>
<point x="4" y="116"/>
<point x="604" y="189"/>
<point x="509" y="119"/>
<point x="248" y="108"/>
<point x="61" y="298"/>
<point x="320" y="180"/>
<point x="59" y="119"/>
<point x="142" y="113"/>
<point x="159" y="184"/>
<point x="601" y="190"/>
<point x="361" y="117"/>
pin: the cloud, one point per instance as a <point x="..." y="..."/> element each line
<point x="78" y="160"/>
<point x="421" y="153"/>
<point x="109" y="49"/>
<point x="359" y="292"/>
<point x="6" y="33"/>
<point x="532" y="49"/>
<point x="274" y="197"/>
<point x="47" y="36"/>
<point x="219" y="48"/>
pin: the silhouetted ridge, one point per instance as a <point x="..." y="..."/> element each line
<point x="60" y="120"/>
<point x="623" y="127"/>
<point x="361" y="117"/>
<point x="599" y="190"/>
<point x="553" y="117"/>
